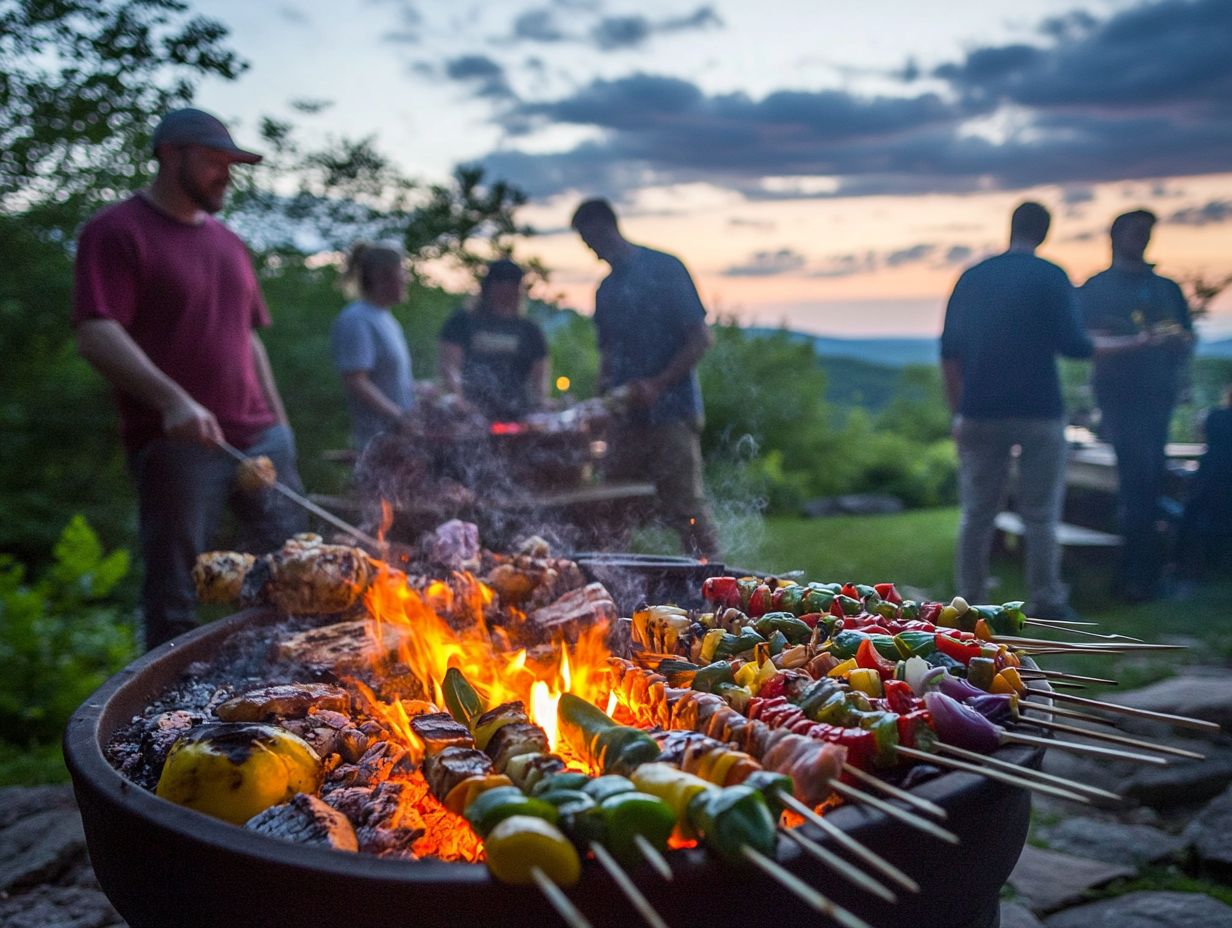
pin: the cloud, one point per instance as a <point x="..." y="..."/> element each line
<point x="620" y="32"/>
<point x="410" y="23"/>
<point x="538" y="25"/>
<point x="912" y="255"/>
<point x="958" y="254"/>
<point x="746" y="222"/>
<point x="767" y="264"/>
<point x="1143" y="93"/>
<point x="1211" y="213"/>
<point x="486" y="76"/>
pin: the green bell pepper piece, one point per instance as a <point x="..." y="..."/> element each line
<point x="731" y="645"/>
<point x="461" y="699"/>
<point x="770" y="785"/>
<point x="712" y="675"/>
<point x="915" y="644"/>
<point x="846" y="643"/>
<point x="884" y="726"/>
<point x="601" y="788"/>
<point x="792" y="628"/>
<point x="566" y="780"/>
<point x="886" y="647"/>
<point x="731" y="819"/>
<point x="626" y="816"/>
<point x="494" y="806"/>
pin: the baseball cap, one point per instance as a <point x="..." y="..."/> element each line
<point x="191" y="126"/>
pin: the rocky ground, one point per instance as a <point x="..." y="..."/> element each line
<point x="1162" y="860"/>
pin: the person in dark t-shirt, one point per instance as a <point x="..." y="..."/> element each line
<point x="495" y="357"/>
<point x="1136" y="391"/>
<point x="1007" y="320"/>
<point x="165" y="306"/>
<point x="652" y="334"/>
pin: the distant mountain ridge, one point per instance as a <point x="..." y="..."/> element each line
<point x="900" y="352"/>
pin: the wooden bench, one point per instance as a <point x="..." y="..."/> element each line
<point x="1068" y="536"/>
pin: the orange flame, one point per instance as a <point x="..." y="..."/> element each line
<point x="446" y="627"/>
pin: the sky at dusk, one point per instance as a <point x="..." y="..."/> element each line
<point x="830" y="165"/>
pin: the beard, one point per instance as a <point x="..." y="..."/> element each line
<point x="205" y="198"/>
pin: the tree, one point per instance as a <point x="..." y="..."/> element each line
<point x="82" y="83"/>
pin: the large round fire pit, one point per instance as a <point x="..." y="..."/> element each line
<point x="161" y="864"/>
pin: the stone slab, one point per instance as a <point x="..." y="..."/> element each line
<point x="59" y="907"/>
<point x="1147" y="910"/>
<point x="1210" y="834"/>
<point x="1046" y="880"/>
<point x="1014" y="915"/>
<point x="1196" y="694"/>
<point x="40" y="848"/>
<point x="1111" y="842"/>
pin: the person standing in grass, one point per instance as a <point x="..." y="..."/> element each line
<point x="1007" y="320"/>
<point x="368" y="345"/>
<point x="1136" y="391"/>
<point x="652" y="334"/>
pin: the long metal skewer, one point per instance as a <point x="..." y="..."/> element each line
<point x="918" y="802"/>
<point x="847" y="791"/>
<point x="802" y="890"/>
<point x="992" y="774"/>
<point x="1015" y="737"/>
<point x="559" y="901"/>
<point x="1115" y="739"/>
<point x="1179" y="720"/>
<point x="1028" y="772"/>
<point x="653" y="857"/>
<point x="376" y="546"/>
<point x="632" y="893"/>
<point x="844" y="869"/>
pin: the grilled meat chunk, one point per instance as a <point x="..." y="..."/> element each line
<point x="253" y="475"/>
<point x="514" y="739"/>
<point x="284" y="701"/>
<point x="451" y="766"/>
<point x="219" y="575"/>
<point x="439" y="730"/>
<point x="306" y="820"/>
<point x="311" y="579"/>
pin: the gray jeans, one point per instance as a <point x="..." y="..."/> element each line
<point x="985" y="449"/>
<point x="181" y="491"/>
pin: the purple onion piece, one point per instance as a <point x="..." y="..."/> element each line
<point x="960" y="726"/>
<point x="932" y="679"/>
<point x="998" y="708"/>
<point x="958" y="688"/>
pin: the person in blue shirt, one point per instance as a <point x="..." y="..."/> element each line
<point x="652" y="334"/>
<point x="1007" y="320"/>
<point x="368" y="345"/>
<point x="1136" y="391"/>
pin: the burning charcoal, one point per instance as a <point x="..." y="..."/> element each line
<point x="447" y="769"/>
<point x="255" y="589"/>
<point x="288" y="701"/>
<point x="219" y="575"/>
<point x="351" y="801"/>
<point x="351" y="744"/>
<point x="534" y="546"/>
<point x="514" y="739"/>
<point x="439" y="730"/>
<point x="511" y="584"/>
<point x="306" y="820"/>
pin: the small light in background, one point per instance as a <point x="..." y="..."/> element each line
<point x="563" y="383"/>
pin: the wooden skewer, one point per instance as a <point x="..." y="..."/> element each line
<point x="1063" y="712"/>
<point x="801" y="889"/>
<point x="1028" y="772"/>
<point x="1015" y="737"/>
<point x="1179" y="720"/>
<point x="632" y="893"/>
<point x="1110" y="636"/>
<point x="1112" y="646"/>
<point x="992" y="773"/>
<point x="923" y="805"/>
<point x="567" y="911"/>
<point x="1062" y="675"/>
<point x="1115" y="739"/>
<point x="1068" y="649"/>
<point x="880" y="864"/>
<point x="1066" y="684"/>
<point x="1050" y="623"/>
<point x="829" y="859"/>
<point x="653" y="857"/>
<point x="847" y="791"/>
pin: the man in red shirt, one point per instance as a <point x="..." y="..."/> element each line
<point x="166" y="307"/>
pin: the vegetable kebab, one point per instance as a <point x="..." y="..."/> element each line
<point x="735" y="822"/>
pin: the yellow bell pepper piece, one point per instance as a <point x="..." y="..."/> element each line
<point x="746" y="675"/>
<point x="709" y="643"/>
<point x="723" y="765"/>
<point x="844" y="668"/>
<point x="462" y="795"/>
<point x="867" y="681"/>
<point x="673" y="786"/>
<point x="1009" y="680"/>
<point x="522" y="843"/>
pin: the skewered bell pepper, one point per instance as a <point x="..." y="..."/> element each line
<point x="1008" y="680"/>
<point x="232" y="771"/>
<point x="794" y="630"/>
<point x="867" y="681"/>
<point x="846" y="643"/>
<point x="884" y="727"/>
<point x="593" y="734"/>
<point x="732" y="819"/>
<point x="889" y="593"/>
<point x="494" y="806"/>
<point x="674" y="787"/>
<point x="604" y="787"/>
<point x="568" y="779"/>
<point x="722" y="591"/>
<point x="730" y="645"/>
<point x="958" y="650"/>
<point x="761" y="601"/>
<point x="712" y="675"/>
<point x="461" y="699"/>
<point x="520" y="844"/>
<point x="915" y="644"/>
<point x="868" y="657"/>
<point x="623" y="817"/>
<point x="773" y="786"/>
<point x="466" y="792"/>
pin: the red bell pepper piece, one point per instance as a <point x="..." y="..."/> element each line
<point x="775" y="686"/>
<point x="910" y="724"/>
<point x="867" y="656"/>
<point x="899" y="696"/>
<point x="722" y="591"/>
<point x="761" y="601"/>
<point x="960" y="651"/>
<point x="811" y="619"/>
<point x="887" y="592"/>
<point x="860" y="744"/>
<point x="930" y="612"/>
<point x="849" y="589"/>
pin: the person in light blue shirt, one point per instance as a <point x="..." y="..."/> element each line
<point x="368" y="345"/>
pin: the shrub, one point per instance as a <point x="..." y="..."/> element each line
<point x="61" y="636"/>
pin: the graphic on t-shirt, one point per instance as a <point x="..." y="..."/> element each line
<point x="485" y="341"/>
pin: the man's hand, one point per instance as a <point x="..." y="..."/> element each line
<point x="645" y="392"/>
<point x="189" y="421"/>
